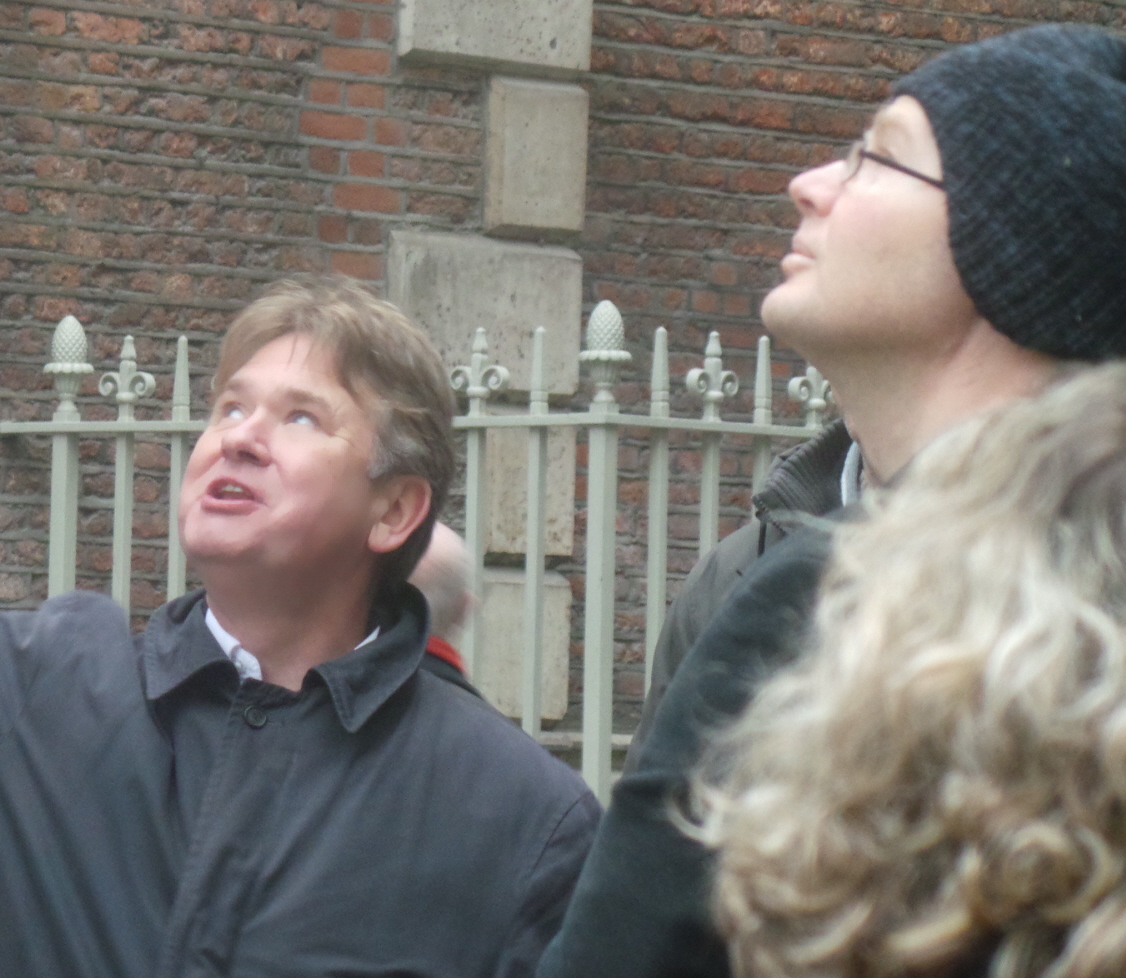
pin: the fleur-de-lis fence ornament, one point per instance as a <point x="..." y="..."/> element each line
<point x="479" y="379"/>
<point x="127" y="384"/>
<point x="813" y="391"/>
<point x="605" y="349"/>
<point x="68" y="364"/>
<point x="711" y="381"/>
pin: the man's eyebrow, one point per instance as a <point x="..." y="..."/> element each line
<point x="296" y="395"/>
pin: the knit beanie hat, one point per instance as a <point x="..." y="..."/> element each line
<point x="1031" y="128"/>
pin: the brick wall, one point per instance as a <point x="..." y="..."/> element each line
<point x="158" y="163"/>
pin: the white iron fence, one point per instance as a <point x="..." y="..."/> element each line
<point x="605" y="356"/>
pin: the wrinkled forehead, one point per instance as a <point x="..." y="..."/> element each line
<point x="239" y="350"/>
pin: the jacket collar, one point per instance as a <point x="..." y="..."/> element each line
<point x="806" y="479"/>
<point x="178" y="645"/>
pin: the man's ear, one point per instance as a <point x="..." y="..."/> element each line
<point x="404" y="501"/>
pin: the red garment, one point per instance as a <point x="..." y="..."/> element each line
<point x="447" y="653"/>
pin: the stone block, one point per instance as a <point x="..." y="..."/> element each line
<point x="535" y="157"/>
<point x="548" y="35"/>
<point x="453" y="283"/>
<point x="506" y="488"/>
<point x="499" y="669"/>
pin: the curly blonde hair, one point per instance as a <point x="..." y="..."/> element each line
<point x="939" y="787"/>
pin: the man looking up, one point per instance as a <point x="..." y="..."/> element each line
<point x="924" y="301"/>
<point x="265" y="782"/>
<point x="970" y="245"/>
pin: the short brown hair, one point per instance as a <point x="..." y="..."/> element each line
<point x="381" y="358"/>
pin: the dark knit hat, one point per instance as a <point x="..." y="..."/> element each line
<point x="1031" y="127"/>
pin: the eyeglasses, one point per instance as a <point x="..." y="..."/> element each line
<point x="857" y="154"/>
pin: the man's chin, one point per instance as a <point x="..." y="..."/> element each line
<point x="778" y="317"/>
<point x="217" y="555"/>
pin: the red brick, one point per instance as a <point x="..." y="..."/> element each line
<point x="329" y="125"/>
<point x="112" y="30"/>
<point x="367" y="232"/>
<point x="446" y="139"/>
<point x="178" y="144"/>
<point x="361" y="61"/>
<point x="348" y="24"/>
<point x="47" y="21"/>
<point x="381" y="27"/>
<point x="390" y="132"/>
<point x="68" y="276"/>
<point x="324" y="159"/>
<point x="736" y="304"/>
<point x="314" y="16"/>
<point x="14" y="201"/>
<point x="358" y="264"/>
<point x="452" y="208"/>
<point x="284" y="48"/>
<point x="367" y="197"/>
<point x="757" y="180"/>
<point x="14" y="93"/>
<point x="325" y="91"/>
<point x="365" y="96"/>
<point x="697" y="36"/>
<point x="704" y="301"/>
<point x="684" y="173"/>
<point x="264" y="11"/>
<point x="183" y="108"/>
<point x="723" y="273"/>
<point x="52" y="308"/>
<point x="365" y="163"/>
<point x="332" y="228"/>
<point x="32" y="129"/>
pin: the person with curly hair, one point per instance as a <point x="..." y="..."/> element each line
<point x="939" y="786"/>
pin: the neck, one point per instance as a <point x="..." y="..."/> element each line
<point x="290" y="627"/>
<point x="895" y="406"/>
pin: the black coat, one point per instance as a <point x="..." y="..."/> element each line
<point x="642" y="905"/>
<point x="160" y="819"/>
<point x="805" y="481"/>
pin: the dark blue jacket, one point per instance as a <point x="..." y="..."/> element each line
<point x="642" y="908"/>
<point x="160" y="819"/>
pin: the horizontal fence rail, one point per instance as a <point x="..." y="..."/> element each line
<point x="604" y="355"/>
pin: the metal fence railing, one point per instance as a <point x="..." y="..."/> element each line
<point x="604" y="355"/>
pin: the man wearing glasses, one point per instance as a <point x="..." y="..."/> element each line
<point x="961" y="254"/>
<point x="819" y="476"/>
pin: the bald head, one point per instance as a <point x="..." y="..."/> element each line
<point x="442" y="575"/>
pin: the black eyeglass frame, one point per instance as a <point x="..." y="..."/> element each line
<point x="857" y="154"/>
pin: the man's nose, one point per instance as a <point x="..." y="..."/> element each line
<point x="247" y="440"/>
<point x="814" y="191"/>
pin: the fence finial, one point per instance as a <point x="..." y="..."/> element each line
<point x="181" y="391"/>
<point x="659" y="375"/>
<point x="68" y="364"/>
<point x="764" y="388"/>
<point x="711" y="381"/>
<point x="477" y="380"/>
<point x="129" y="384"/>
<point x="605" y="349"/>
<point x="813" y="391"/>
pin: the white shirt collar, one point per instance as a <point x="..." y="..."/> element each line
<point x="850" y="476"/>
<point x="246" y="662"/>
